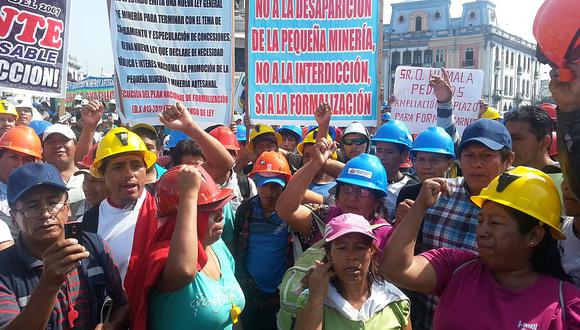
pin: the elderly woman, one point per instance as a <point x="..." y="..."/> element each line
<point x="517" y="281"/>
<point x="347" y="291"/>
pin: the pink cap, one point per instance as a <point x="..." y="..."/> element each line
<point x="345" y="224"/>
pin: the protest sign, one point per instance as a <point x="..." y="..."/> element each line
<point x="416" y="104"/>
<point x="169" y="51"/>
<point x="33" y="46"/>
<point x="92" y="88"/>
<point x="239" y="103"/>
<point x="304" y="52"/>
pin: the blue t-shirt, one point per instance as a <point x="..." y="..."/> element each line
<point x="267" y="248"/>
<point x="322" y="188"/>
<point x="203" y="304"/>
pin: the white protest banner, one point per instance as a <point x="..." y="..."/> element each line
<point x="416" y="104"/>
<point x="169" y="51"/>
<point x="34" y="46"/>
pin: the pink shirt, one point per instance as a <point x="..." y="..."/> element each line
<point x="472" y="299"/>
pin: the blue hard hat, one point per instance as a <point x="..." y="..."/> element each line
<point x="292" y="129"/>
<point x="386" y="116"/>
<point x="394" y="131"/>
<point x="175" y="137"/>
<point x="331" y="131"/>
<point x="435" y="140"/>
<point x="385" y="106"/>
<point x="39" y="126"/>
<point x="241" y="133"/>
<point x="365" y="171"/>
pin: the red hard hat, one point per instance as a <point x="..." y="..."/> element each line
<point x="210" y="198"/>
<point x="226" y="137"/>
<point x="554" y="145"/>
<point x="556" y="28"/>
<point x="338" y="137"/>
<point x="550" y="109"/>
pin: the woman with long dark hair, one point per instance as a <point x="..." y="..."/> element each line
<point x="516" y="282"/>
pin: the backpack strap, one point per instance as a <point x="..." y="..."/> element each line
<point x="561" y="294"/>
<point x="244" y="185"/>
<point x="91" y="219"/>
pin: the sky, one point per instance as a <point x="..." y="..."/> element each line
<point x="90" y="42"/>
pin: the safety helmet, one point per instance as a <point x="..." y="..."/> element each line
<point x="226" y="137"/>
<point x="550" y="109"/>
<point x="557" y="30"/>
<point x="294" y="130"/>
<point x="262" y="129"/>
<point x="435" y="140"/>
<point x="356" y="127"/>
<point x="120" y="140"/>
<point x="394" y="131"/>
<point x="241" y="133"/>
<point x="310" y="138"/>
<point x="78" y="97"/>
<point x="491" y="113"/>
<point x="22" y="139"/>
<point x="8" y="108"/>
<point x="527" y="190"/>
<point x="210" y="197"/>
<point x="20" y="101"/>
<point x="271" y="163"/>
<point x="386" y="116"/>
<point x="365" y="171"/>
<point x="175" y="137"/>
<point x="39" y="126"/>
<point x="554" y="145"/>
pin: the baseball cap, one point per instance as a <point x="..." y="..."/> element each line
<point x="345" y="224"/>
<point x="261" y="180"/>
<point x="490" y="133"/>
<point x="61" y="129"/>
<point x="30" y="176"/>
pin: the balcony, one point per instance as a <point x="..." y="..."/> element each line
<point x="497" y="64"/>
<point x="438" y="64"/>
<point x="520" y="70"/>
<point x="468" y="63"/>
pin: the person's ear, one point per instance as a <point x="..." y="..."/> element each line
<point x="510" y="157"/>
<point x="536" y="235"/>
<point x="546" y="142"/>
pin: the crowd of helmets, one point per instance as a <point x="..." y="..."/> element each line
<point x="251" y="226"/>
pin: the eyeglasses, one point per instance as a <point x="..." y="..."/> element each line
<point x="351" y="190"/>
<point x="358" y="142"/>
<point x="33" y="213"/>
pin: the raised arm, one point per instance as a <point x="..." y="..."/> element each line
<point x="90" y="114"/>
<point x="444" y="94"/>
<point x="218" y="159"/>
<point x="181" y="266"/>
<point x="400" y="265"/>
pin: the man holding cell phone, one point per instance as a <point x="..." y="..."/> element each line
<point x="46" y="279"/>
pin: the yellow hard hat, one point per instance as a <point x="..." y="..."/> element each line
<point x="527" y="190"/>
<point x="261" y="129"/>
<point x="119" y="141"/>
<point x="310" y="138"/>
<point x="8" y="108"/>
<point x="491" y="113"/>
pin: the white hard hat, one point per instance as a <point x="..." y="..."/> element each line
<point x="78" y="97"/>
<point x="20" y="101"/>
<point x="112" y="101"/>
<point x="356" y="127"/>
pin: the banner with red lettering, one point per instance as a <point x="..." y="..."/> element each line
<point x="91" y="88"/>
<point x="169" y="51"/>
<point x="304" y="52"/>
<point x="415" y="102"/>
<point x="34" y="46"/>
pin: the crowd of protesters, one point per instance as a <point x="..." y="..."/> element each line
<point x="247" y="226"/>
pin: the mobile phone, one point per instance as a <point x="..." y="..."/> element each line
<point x="73" y="230"/>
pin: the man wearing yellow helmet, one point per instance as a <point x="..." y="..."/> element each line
<point x="8" y="116"/>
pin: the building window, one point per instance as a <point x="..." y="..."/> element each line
<point x="507" y="58"/>
<point x="407" y="57"/>
<point x="439" y="56"/>
<point x="417" y="57"/>
<point x="428" y="56"/>
<point x="497" y="58"/>
<point x="472" y="15"/>
<point x="511" y="86"/>
<point x="505" y="86"/>
<point x="496" y="82"/>
<point x="437" y="15"/>
<point x="396" y="58"/>
<point x="469" y="58"/>
<point x="512" y="60"/>
<point x="418" y="23"/>
<point x="519" y="61"/>
<point x="401" y="19"/>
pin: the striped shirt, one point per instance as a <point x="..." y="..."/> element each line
<point x="84" y="289"/>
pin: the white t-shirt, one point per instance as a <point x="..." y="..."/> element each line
<point x="393" y="190"/>
<point x="5" y="234"/>
<point x="75" y="186"/>
<point x="232" y="183"/>
<point x="570" y="251"/>
<point x="117" y="228"/>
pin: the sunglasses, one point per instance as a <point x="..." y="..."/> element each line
<point x="358" y="142"/>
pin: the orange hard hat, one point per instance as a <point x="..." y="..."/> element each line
<point x="210" y="197"/>
<point x="22" y="139"/>
<point x="226" y="137"/>
<point x="557" y="30"/>
<point x="271" y="163"/>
